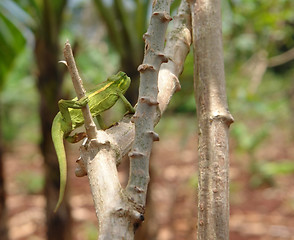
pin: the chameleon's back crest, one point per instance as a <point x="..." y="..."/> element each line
<point x="123" y="81"/>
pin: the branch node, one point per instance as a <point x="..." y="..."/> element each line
<point x="105" y="143"/>
<point x="162" y="57"/>
<point x="144" y="67"/>
<point x="80" y="170"/>
<point x="154" y="135"/>
<point x="178" y="85"/>
<point x="134" y="118"/>
<point x="149" y="101"/>
<point x="146" y="36"/>
<point x="164" y="16"/>
<point x="226" y="118"/>
<point x="135" y="154"/>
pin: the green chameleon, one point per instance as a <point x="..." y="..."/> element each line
<point x="70" y="116"/>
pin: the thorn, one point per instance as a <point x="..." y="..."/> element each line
<point x="85" y="141"/>
<point x="138" y="190"/>
<point x="64" y="62"/>
<point x="79" y="159"/>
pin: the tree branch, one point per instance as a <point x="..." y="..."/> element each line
<point x="281" y="59"/>
<point x="118" y="214"/>
<point x="177" y="48"/>
<point x="80" y="91"/>
<point x="214" y="120"/>
<point x="145" y="115"/>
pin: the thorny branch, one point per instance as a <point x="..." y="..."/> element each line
<point x="145" y="115"/>
<point x="119" y="210"/>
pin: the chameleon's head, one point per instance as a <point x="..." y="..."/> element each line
<point x="122" y="81"/>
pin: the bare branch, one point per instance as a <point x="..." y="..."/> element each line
<point x="257" y="65"/>
<point x="281" y="59"/>
<point x="80" y="91"/>
<point x="214" y="120"/>
<point x="145" y="115"/>
<point x="177" y="48"/>
<point x="117" y="217"/>
<point x="257" y="70"/>
<point x="117" y="213"/>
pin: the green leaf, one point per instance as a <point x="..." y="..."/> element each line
<point x="12" y="42"/>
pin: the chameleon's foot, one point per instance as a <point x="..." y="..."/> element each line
<point x="83" y="101"/>
<point x="130" y="112"/>
<point x="76" y="137"/>
<point x="112" y="125"/>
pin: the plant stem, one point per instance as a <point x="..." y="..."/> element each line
<point x="214" y="120"/>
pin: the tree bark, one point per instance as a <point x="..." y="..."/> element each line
<point x="119" y="210"/>
<point x="49" y="81"/>
<point x="214" y="120"/>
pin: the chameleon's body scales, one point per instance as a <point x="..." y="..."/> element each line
<point x="70" y="117"/>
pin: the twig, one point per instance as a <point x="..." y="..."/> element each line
<point x="281" y="59"/>
<point x="258" y="70"/>
<point x="177" y="48"/>
<point x="80" y="91"/>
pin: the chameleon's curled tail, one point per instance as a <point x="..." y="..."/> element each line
<point x="57" y="137"/>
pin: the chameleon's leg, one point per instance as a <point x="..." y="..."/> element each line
<point x="64" y="105"/>
<point x="101" y="122"/>
<point x="126" y="103"/>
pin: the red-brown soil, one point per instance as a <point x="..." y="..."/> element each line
<point x="256" y="214"/>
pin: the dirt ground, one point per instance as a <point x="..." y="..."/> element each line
<point x="263" y="213"/>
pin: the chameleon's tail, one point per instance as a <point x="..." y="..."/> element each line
<point x="57" y="137"/>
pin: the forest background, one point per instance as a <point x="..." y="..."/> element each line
<point x="258" y="40"/>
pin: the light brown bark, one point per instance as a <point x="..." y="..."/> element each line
<point x="214" y="120"/>
<point x="119" y="210"/>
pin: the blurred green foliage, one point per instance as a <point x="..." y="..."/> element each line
<point x="12" y="40"/>
<point x="20" y="101"/>
<point x="30" y="182"/>
<point x="90" y="231"/>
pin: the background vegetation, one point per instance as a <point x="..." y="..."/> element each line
<point x="260" y="96"/>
